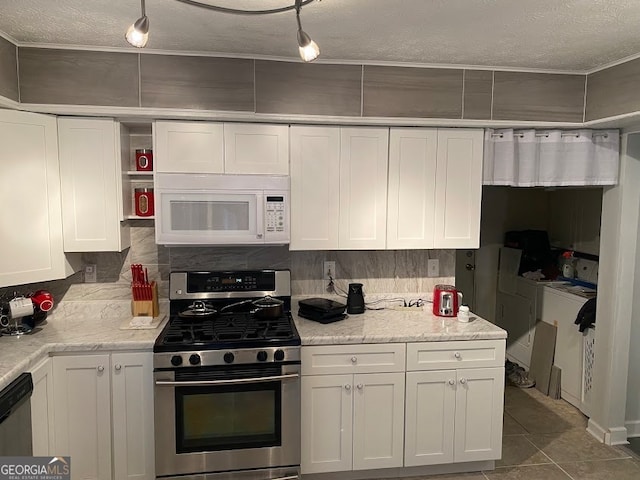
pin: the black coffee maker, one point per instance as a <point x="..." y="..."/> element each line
<point x="355" y="299"/>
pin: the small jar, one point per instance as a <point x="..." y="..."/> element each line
<point x="144" y="202"/>
<point x="144" y="160"/>
<point x="463" y="314"/>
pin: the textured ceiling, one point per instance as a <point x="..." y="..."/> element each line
<point x="567" y="35"/>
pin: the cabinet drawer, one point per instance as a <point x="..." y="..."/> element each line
<point x="370" y="358"/>
<point x="465" y="354"/>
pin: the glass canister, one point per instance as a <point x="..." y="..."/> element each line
<point x="144" y="160"/>
<point x="143" y="198"/>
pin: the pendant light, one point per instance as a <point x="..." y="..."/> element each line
<point x="138" y="33"/>
<point x="307" y="48"/>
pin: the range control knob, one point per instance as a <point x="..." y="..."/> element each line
<point x="194" y="359"/>
<point x="176" y="360"/>
<point x="262" y="356"/>
<point x="228" y="357"/>
<point x="278" y="355"/>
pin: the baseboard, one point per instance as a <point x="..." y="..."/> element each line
<point x="596" y="430"/>
<point x="617" y="436"/>
<point x="612" y="436"/>
<point x="633" y="428"/>
<point x="385" y="473"/>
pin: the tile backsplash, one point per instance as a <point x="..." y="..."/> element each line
<point x="381" y="271"/>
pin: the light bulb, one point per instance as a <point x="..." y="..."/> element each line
<point x="138" y="33"/>
<point x="309" y="52"/>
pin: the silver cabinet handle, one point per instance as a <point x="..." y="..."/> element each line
<point x="354" y="359"/>
<point x="100" y="368"/>
<point x="451" y="381"/>
<point x="463" y="381"/>
<point x="360" y="386"/>
<point x="235" y="381"/>
<point x="457" y="355"/>
<point x="118" y="367"/>
<point x="347" y="387"/>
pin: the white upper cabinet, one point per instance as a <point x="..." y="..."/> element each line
<point x="91" y="182"/>
<point x="429" y="198"/>
<point x="206" y="147"/>
<point x="188" y="147"/>
<point x="315" y="168"/>
<point x="256" y="148"/>
<point x="32" y="247"/>
<point x="458" y="188"/>
<point x="412" y="182"/>
<point x="363" y="188"/>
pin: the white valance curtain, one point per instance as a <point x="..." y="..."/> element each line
<point x="551" y="158"/>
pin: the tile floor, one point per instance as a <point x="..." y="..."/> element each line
<point x="545" y="439"/>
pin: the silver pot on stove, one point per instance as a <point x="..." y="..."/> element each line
<point x="265" y="307"/>
<point x="198" y="310"/>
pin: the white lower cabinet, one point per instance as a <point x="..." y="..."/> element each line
<point x="42" y="409"/>
<point x="352" y="422"/>
<point x="102" y="444"/>
<point x="352" y="407"/>
<point x="453" y="410"/>
<point x="362" y="411"/>
<point x="453" y="416"/>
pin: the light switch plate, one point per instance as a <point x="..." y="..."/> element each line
<point x="433" y="267"/>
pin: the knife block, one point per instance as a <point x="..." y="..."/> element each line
<point x="147" y="308"/>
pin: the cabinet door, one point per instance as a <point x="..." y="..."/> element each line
<point x="458" y="188"/>
<point x="363" y="188"/>
<point x="188" y="147"/>
<point x="82" y="413"/>
<point x="32" y="247"/>
<point x="326" y="424"/>
<point x="378" y="421"/>
<point x="478" y="419"/>
<point x="132" y="398"/>
<point x="42" y="409"/>
<point x="256" y="148"/>
<point x="429" y="419"/>
<point x="412" y="181"/>
<point x="90" y="177"/>
<point x="315" y="194"/>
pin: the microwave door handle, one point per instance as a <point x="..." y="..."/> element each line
<point x="260" y="213"/>
<point x="235" y="381"/>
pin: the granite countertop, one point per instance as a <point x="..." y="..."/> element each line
<point x="385" y="326"/>
<point x="77" y="328"/>
<point x="79" y="333"/>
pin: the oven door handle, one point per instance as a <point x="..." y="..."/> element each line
<point x="235" y="381"/>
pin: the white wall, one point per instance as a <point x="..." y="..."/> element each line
<point x="617" y="297"/>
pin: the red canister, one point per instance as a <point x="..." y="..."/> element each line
<point x="144" y="201"/>
<point x="144" y="160"/>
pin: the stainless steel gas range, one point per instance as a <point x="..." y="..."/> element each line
<point x="227" y="378"/>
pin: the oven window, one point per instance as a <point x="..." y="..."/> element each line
<point x="227" y="418"/>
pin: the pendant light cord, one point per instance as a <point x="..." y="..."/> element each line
<point x="296" y="6"/>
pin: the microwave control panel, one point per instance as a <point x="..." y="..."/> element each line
<point x="276" y="221"/>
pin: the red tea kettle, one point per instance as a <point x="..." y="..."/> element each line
<point x="446" y="300"/>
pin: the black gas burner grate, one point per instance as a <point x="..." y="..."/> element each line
<point x="227" y="328"/>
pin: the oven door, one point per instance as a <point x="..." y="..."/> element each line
<point x="224" y="419"/>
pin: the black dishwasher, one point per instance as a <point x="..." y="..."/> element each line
<point x="15" y="417"/>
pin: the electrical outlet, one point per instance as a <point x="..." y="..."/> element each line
<point x="433" y="267"/>
<point x="90" y="273"/>
<point x="329" y="269"/>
